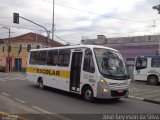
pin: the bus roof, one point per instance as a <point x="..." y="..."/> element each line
<point x="77" y="46"/>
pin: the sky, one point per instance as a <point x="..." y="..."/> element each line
<point x="75" y="20"/>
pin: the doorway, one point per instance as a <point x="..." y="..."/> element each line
<point x="18" y="64"/>
<point x="75" y="71"/>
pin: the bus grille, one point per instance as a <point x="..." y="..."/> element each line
<point x="117" y="84"/>
<point x="115" y="93"/>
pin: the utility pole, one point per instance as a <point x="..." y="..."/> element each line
<point x="9" y="49"/>
<point x="53" y="23"/>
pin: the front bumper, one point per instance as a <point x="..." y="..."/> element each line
<point x="113" y="92"/>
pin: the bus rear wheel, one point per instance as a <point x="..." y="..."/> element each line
<point x="88" y="94"/>
<point x="152" y="80"/>
<point x="40" y="83"/>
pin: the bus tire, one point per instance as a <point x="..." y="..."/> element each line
<point x="152" y="80"/>
<point x="88" y="94"/>
<point x="40" y="83"/>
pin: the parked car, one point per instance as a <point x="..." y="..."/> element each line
<point x="2" y="69"/>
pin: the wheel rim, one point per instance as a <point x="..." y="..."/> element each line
<point x="152" y="80"/>
<point x="88" y="94"/>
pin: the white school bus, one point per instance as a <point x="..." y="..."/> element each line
<point x="147" y="68"/>
<point x="89" y="70"/>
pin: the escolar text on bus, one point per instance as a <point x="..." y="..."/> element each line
<point x="48" y="72"/>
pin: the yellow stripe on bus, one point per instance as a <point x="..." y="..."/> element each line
<point x="49" y="72"/>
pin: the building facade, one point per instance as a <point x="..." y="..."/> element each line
<point x="129" y="47"/>
<point x="14" y="51"/>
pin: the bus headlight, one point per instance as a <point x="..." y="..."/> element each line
<point x="105" y="89"/>
<point x="102" y="81"/>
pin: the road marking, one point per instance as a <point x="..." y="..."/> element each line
<point x="138" y="90"/>
<point x="134" y="97"/>
<point x="133" y="88"/>
<point x="19" y="100"/>
<point x="3" y="93"/>
<point x="47" y="112"/>
<point x="3" y="80"/>
<point x="7" y="77"/>
<point x="24" y="79"/>
<point x="42" y="110"/>
<point x="13" y="78"/>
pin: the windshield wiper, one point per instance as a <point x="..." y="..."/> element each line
<point x="123" y="73"/>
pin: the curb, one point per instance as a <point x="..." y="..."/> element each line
<point x="143" y="99"/>
<point x="152" y="101"/>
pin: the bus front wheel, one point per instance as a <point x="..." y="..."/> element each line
<point x="88" y="94"/>
<point x="152" y="80"/>
<point x="40" y="83"/>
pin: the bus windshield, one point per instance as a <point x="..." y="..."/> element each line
<point x="110" y="64"/>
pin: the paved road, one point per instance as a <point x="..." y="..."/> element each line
<point x="50" y="101"/>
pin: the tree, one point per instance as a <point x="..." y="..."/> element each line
<point x="157" y="7"/>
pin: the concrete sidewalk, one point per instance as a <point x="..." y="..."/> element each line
<point x="141" y="91"/>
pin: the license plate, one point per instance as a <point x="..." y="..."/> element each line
<point x="120" y="91"/>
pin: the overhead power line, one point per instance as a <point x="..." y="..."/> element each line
<point x="105" y="16"/>
<point x="3" y="25"/>
<point x="63" y="40"/>
<point x="5" y="17"/>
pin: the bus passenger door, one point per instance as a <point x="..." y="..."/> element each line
<point x="75" y="71"/>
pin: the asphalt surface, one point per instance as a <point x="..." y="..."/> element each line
<point x="15" y="88"/>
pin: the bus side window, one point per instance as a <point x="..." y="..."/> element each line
<point x="42" y="57"/>
<point x="64" y="58"/>
<point x="141" y="64"/>
<point x="52" y="58"/>
<point x="155" y="62"/>
<point x="88" y="62"/>
<point x="33" y="58"/>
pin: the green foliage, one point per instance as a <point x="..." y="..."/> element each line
<point x="157" y="7"/>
